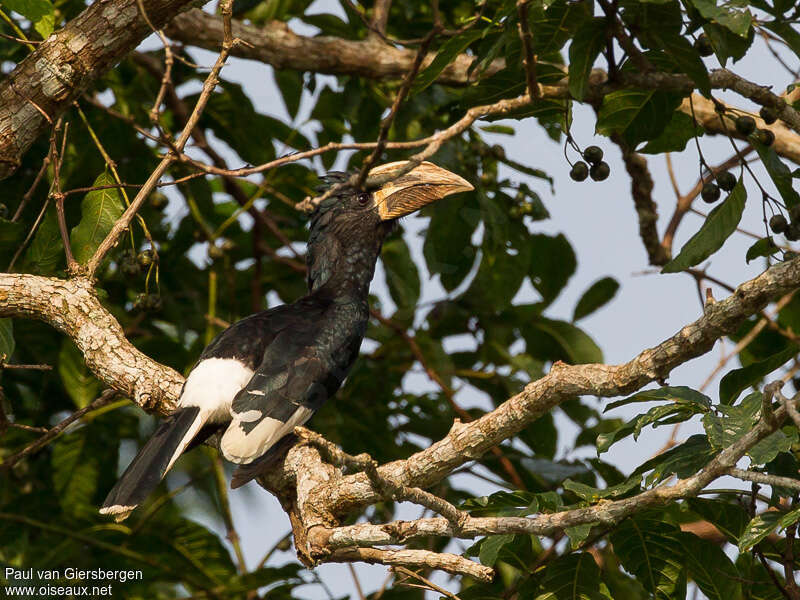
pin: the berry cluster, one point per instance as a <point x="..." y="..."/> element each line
<point x="725" y="180"/>
<point x="790" y="228"/>
<point x="599" y="170"/>
<point x="132" y="265"/>
<point x="747" y="126"/>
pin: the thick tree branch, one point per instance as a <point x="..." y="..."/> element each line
<point x="73" y="308"/>
<point x="606" y="512"/>
<point x="46" y="83"/>
<point x="277" y="45"/>
<point x="466" y="442"/>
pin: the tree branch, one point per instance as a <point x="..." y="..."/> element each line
<point x="45" y="84"/>
<point x="73" y="308"/>
<point x="277" y="45"/>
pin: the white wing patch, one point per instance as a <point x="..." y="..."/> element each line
<point x="243" y="448"/>
<point x="213" y="384"/>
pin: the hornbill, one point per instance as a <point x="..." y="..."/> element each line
<point x="268" y="373"/>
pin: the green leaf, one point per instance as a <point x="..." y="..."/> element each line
<point x="709" y="567"/>
<point x="589" y="40"/>
<point x="402" y="276"/>
<point x="449" y="50"/>
<point x="552" y="263"/>
<point x="78" y="380"/>
<point x="75" y="472"/>
<point x="758" y="529"/>
<point x="726" y="44"/>
<point x="683" y="460"/>
<point x="668" y="414"/>
<point x="675" y="136"/>
<point x="555" y="26"/>
<point x="46" y="252"/>
<point x="578" y="534"/>
<point x="573" y="577"/>
<point x="789" y="518"/>
<point x="6" y="339"/>
<point x="491" y="546"/>
<point x="651" y="549"/>
<point x="100" y="209"/>
<point x="718" y="226"/>
<point x="447" y="248"/>
<point x="500" y="129"/>
<point x="780" y="174"/>
<point x="775" y="443"/>
<point x="732" y="422"/>
<point x="763" y="247"/>
<point x="290" y="83"/>
<point x="669" y="394"/>
<point x="728" y="15"/>
<point x="639" y="115"/>
<point x="600" y="293"/>
<point x="39" y="12"/>
<point x="576" y="346"/>
<point x="498" y="279"/>
<point x="731" y="519"/>
<point x="592" y="494"/>
<point x="736" y="381"/>
<point x="11" y="235"/>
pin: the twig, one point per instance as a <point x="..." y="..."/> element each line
<point x="104" y="399"/>
<point x="364" y="462"/>
<point x="765" y="478"/>
<point x="32" y="189"/>
<point x="386" y="122"/>
<point x="428" y="584"/>
<point x="357" y="583"/>
<point x="685" y="202"/>
<point x="450" y="563"/>
<point x="225" y="508"/>
<point x="524" y="30"/>
<point x="449" y="393"/>
<point x="208" y="87"/>
<point x="6" y="366"/>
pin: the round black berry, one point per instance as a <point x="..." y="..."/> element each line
<point x="710" y="192"/>
<point x="129" y="267"/>
<point x="792" y="232"/>
<point x="765" y="136"/>
<point x="778" y="223"/>
<point x="745" y="125"/>
<point x="579" y="171"/>
<point x="770" y="115"/>
<point x="593" y="154"/>
<point x="600" y="171"/>
<point x="726" y="180"/>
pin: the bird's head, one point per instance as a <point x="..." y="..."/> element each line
<point x="356" y="221"/>
<point x="387" y="197"/>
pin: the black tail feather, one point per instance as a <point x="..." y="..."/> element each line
<point x="149" y="466"/>
<point x="262" y="464"/>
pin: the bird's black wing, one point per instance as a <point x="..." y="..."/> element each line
<point x="301" y="368"/>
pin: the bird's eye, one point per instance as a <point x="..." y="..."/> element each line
<point x="363" y="198"/>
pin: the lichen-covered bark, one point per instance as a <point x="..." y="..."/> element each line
<point x="73" y="308"/>
<point x="65" y="64"/>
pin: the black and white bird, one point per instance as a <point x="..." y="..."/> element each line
<point x="268" y="373"/>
